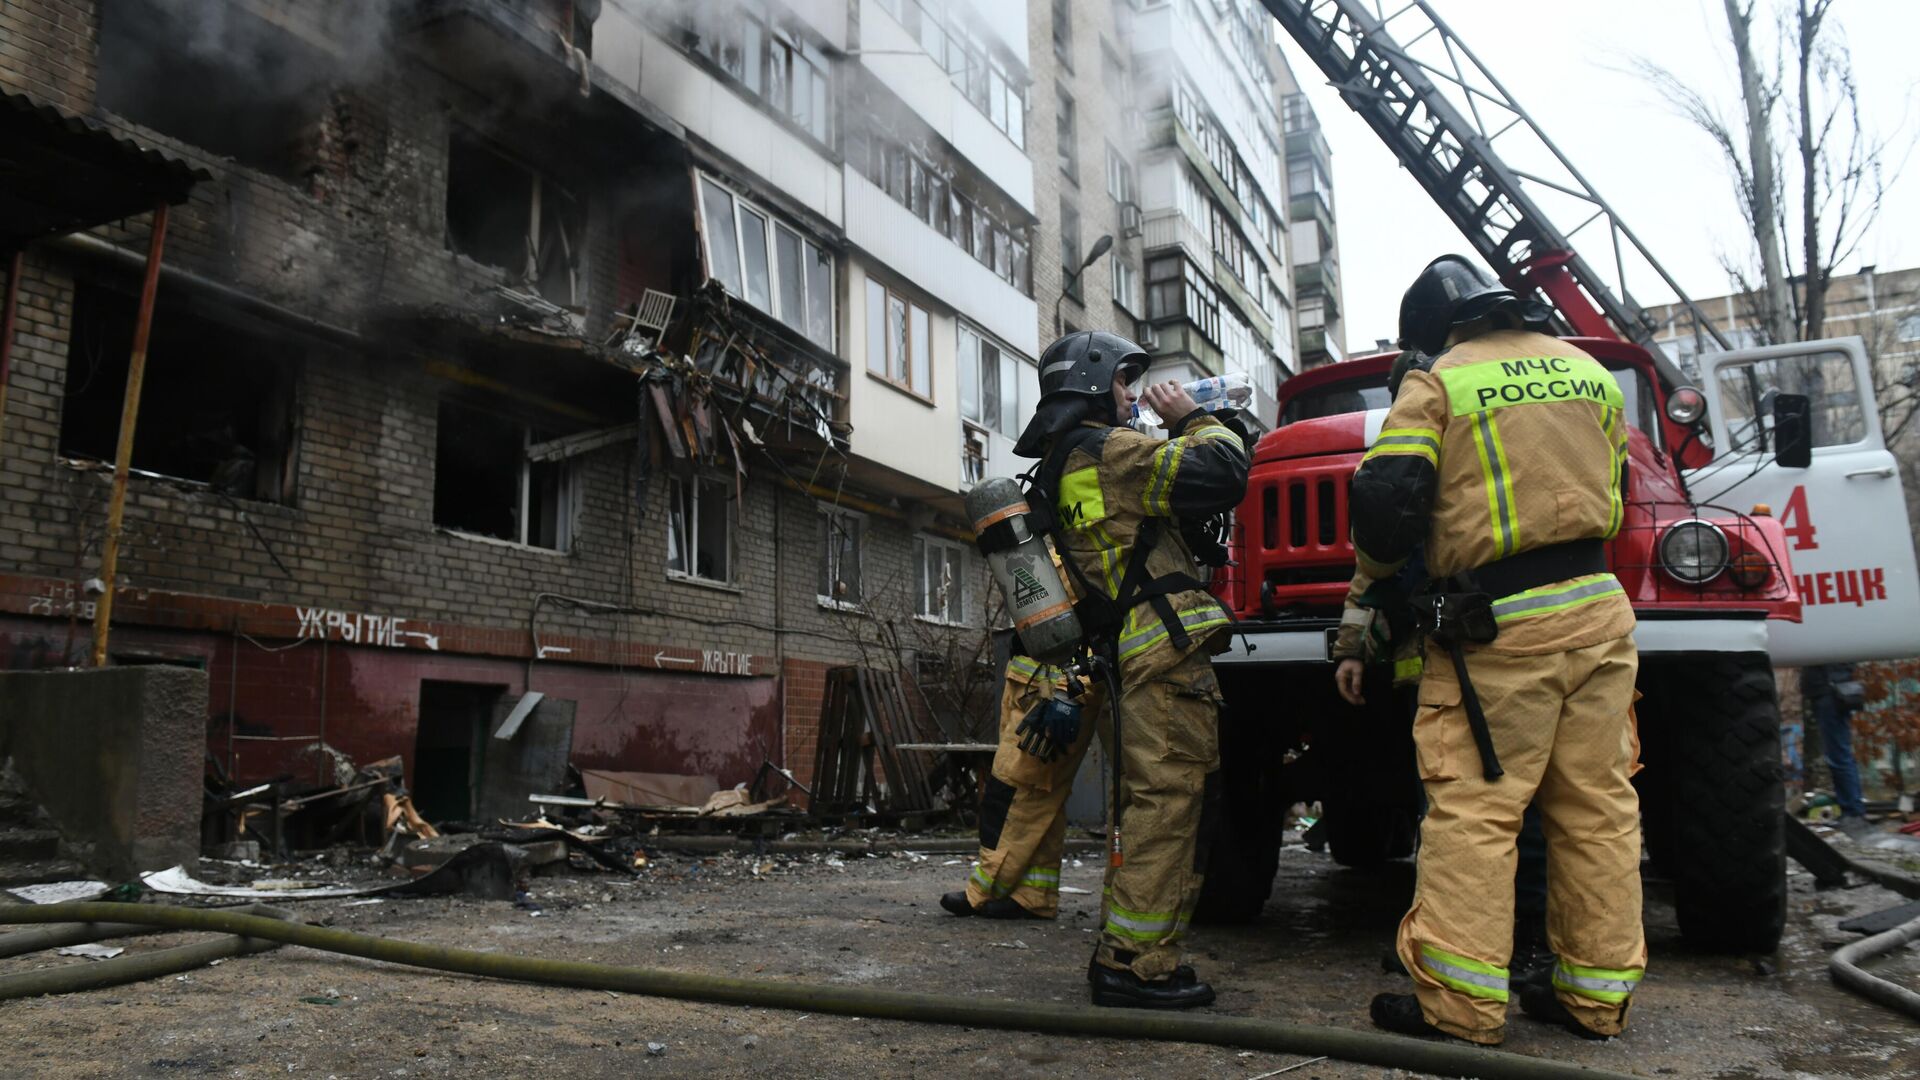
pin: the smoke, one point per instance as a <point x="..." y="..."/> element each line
<point x="282" y="50"/>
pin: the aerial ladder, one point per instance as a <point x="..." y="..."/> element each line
<point x="1389" y="67"/>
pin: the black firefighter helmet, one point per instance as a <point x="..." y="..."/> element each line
<point x="1451" y="292"/>
<point x="1077" y="374"/>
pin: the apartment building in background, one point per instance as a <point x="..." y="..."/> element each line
<point x="1315" y="240"/>
<point x="637" y="355"/>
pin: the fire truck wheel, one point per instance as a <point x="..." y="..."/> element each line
<point x="1713" y="799"/>
<point x="1245" y="853"/>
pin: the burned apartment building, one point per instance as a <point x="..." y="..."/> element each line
<point x="631" y="353"/>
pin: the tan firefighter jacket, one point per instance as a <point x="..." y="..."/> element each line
<point x="1513" y="441"/>
<point x="1111" y="485"/>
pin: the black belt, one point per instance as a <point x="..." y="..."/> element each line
<point x="1541" y="566"/>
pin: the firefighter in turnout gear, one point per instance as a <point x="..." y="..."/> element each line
<point x="1119" y="495"/>
<point x="1023" y="809"/>
<point x="1505" y="463"/>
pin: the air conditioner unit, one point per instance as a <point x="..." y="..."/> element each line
<point x="1130" y="226"/>
<point x="1145" y="336"/>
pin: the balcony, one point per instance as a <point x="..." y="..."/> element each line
<point x="1321" y="275"/>
<point x="1317" y="347"/>
<point x="1165" y="228"/>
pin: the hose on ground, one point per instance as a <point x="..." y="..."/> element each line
<point x="1364" y="1047"/>
<point x="137" y="967"/>
<point x="1845" y="968"/>
<point x="22" y="942"/>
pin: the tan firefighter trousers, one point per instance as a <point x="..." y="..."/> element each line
<point x="1023" y="816"/>
<point x="1562" y="725"/>
<point x="1170" y="746"/>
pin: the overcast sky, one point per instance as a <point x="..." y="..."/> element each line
<point x="1568" y="63"/>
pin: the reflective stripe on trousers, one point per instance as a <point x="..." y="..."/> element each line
<point x="1611" y="986"/>
<point x="1467" y="976"/>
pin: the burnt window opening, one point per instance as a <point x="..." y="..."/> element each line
<point x="485" y="484"/>
<point x="215" y="76"/>
<point x="216" y="402"/>
<point x="501" y="213"/>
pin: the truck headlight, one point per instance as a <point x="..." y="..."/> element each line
<point x="1694" y="552"/>
<point x="1686" y="405"/>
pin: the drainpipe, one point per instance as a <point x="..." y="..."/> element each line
<point x="129" y="414"/>
<point x="9" y="307"/>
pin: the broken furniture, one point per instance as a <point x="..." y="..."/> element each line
<point x="859" y="767"/>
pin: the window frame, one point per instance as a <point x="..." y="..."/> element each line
<point x="1067" y="133"/>
<point x="700" y="482"/>
<point x="914" y="316"/>
<point x="566" y="499"/>
<point x="1122" y="185"/>
<point x="810" y="248"/>
<point x="829" y="512"/>
<point x="924" y="546"/>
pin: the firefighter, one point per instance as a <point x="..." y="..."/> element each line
<point x="1376" y="627"/>
<point x="1506" y="464"/>
<point x="1118" y="496"/>
<point x="1023" y="809"/>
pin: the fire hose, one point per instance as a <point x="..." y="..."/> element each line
<point x="1364" y="1047"/>
<point x="1845" y="968"/>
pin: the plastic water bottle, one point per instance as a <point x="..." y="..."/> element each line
<point x="1216" y="393"/>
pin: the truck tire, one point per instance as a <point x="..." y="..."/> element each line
<point x="1715" y="799"/>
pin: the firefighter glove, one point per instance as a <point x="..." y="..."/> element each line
<point x="1049" y="728"/>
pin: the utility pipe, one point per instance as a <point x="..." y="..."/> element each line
<point x="1365" y="1047"/>
<point x="129" y="415"/>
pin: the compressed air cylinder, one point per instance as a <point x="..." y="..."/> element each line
<point x="1023" y="570"/>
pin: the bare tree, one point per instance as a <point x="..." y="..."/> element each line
<point x="1838" y="166"/>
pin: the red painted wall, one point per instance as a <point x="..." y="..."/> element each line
<point x="269" y="701"/>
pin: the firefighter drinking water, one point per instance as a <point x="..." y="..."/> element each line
<point x="1505" y="463"/>
<point x="1112" y="499"/>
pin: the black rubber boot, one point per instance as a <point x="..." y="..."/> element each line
<point x="1390" y="962"/>
<point x="1538" y="1000"/>
<point x="1400" y="1014"/>
<point x="1120" y="988"/>
<point x="1532" y="962"/>
<point x="1182" y="974"/>
<point x="1004" y="908"/>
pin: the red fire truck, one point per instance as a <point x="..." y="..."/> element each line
<point x="1736" y="558"/>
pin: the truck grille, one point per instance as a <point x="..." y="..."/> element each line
<point x="1304" y="514"/>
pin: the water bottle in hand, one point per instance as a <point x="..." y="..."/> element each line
<point x="1216" y="393"/>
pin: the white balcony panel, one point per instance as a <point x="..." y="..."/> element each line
<point x="896" y="429"/>
<point x="911" y="248"/>
<point x="717" y="113"/>
<point x="1170" y="228"/>
<point x="896" y="59"/>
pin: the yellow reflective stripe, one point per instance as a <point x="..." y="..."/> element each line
<point x="1467" y="976"/>
<point x="1082" y="503"/>
<point x="1023" y="665"/>
<point x="1609" y="985"/>
<point x="1559" y="597"/>
<point x="1193" y="620"/>
<point x="1531" y="380"/>
<point x="1410" y="668"/>
<point x="1140" y="925"/>
<point x="1041" y="879"/>
<point x="1217" y="431"/>
<point x="1611" y="424"/>
<point x="1166" y="465"/>
<point x="1422" y="442"/>
<point x="1109" y="559"/>
<point x="994" y="888"/>
<point x="1493" y="472"/>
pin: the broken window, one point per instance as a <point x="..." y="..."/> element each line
<point x="216" y="404"/>
<point x="216" y="76"/>
<point x="940" y="580"/>
<point x="843" y="536"/>
<point x="768" y="263"/>
<point x="700" y="530"/>
<point x="773" y="59"/>
<point x="898" y="345"/>
<point x="504" y="214"/>
<point x="485" y="484"/>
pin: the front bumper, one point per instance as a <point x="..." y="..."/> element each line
<point x="1309" y="641"/>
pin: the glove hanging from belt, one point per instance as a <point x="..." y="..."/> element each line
<point x="1049" y="728"/>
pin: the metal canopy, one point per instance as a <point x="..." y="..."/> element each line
<point x="61" y="174"/>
